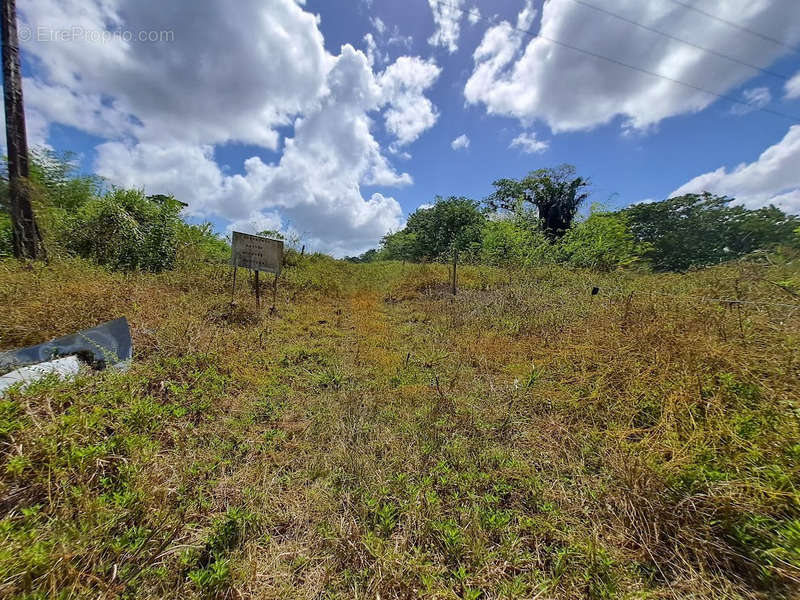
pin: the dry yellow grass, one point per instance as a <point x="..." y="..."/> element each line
<point x="377" y="438"/>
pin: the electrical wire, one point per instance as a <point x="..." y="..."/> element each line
<point x="736" y="26"/>
<point x="753" y="105"/>
<point x="681" y="40"/>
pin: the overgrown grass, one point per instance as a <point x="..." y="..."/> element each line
<point x="377" y="438"/>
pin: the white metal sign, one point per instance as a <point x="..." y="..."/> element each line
<point x="257" y="253"/>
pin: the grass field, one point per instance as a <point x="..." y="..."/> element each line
<point x="378" y="439"/>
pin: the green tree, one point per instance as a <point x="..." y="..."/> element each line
<point x="695" y="230"/>
<point x="556" y="193"/>
<point x="399" y="246"/>
<point x="451" y="223"/>
<point x="272" y="234"/>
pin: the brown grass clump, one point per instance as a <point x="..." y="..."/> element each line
<point x="377" y="438"/>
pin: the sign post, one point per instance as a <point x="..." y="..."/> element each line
<point x="257" y="253"/>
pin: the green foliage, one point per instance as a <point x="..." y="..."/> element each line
<point x="403" y="245"/>
<point x="503" y="243"/>
<point x="702" y="229"/>
<point x="6" y="235"/>
<point x="213" y="578"/>
<point x="506" y="243"/>
<point x="126" y="230"/>
<point x="673" y="235"/>
<point x="602" y="242"/>
<point x="556" y="193"/>
<point x="273" y="234"/>
<point x="370" y="255"/>
<point x="59" y="178"/>
<point x="121" y="229"/>
<point x="432" y="233"/>
<point x="57" y="189"/>
<point x="200" y="243"/>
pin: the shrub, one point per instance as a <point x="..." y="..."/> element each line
<point x="602" y="242"/>
<point x="6" y="236"/>
<point x="200" y="243"/>
<point x="126" y="230"/>
<point x="121" y="229"/>
<point x="505" y="242"/>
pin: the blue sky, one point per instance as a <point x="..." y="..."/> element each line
<point x="335" y="119"/>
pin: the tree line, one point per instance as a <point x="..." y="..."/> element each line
<point x="533" y="221"/>
<point x="525" y="222"/>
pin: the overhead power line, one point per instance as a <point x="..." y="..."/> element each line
<point x="620" y="63"/>
<point x="736" y="25"/>
<point x="681" y="40"/>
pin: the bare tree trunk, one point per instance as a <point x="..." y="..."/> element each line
<point x="26" y="234"/>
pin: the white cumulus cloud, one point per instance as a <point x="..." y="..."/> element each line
<point x="792" y="87"/>
<point x="236" y="81"/>
<point x="773" y="178"/>
<point x="528" y="143"/>
<point x="261" y="76"/>
<point x="754" y="99"/>
<point x="403" y="84"/>
<point x="447" y="18"/>
<point x="532" y="78"/>
<point x="460" y="143"/>
<point x="315" y="187"/>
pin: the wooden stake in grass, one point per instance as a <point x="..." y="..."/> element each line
<point x="274" y="292"/>
<point x="455" y="264"/>
<point x="26" y="235"/>
<point x="233" y="287"/>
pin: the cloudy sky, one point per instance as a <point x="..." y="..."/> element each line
<point x="335" y="119"/>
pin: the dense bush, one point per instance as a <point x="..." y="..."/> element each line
<point x="432" y="232"/>
<point x="505" y="242"/>
<point x="200" y="243"/>
<point x="118" y="228"/>
<point x="126" y="230"/>
<point x="602" y="242"/>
